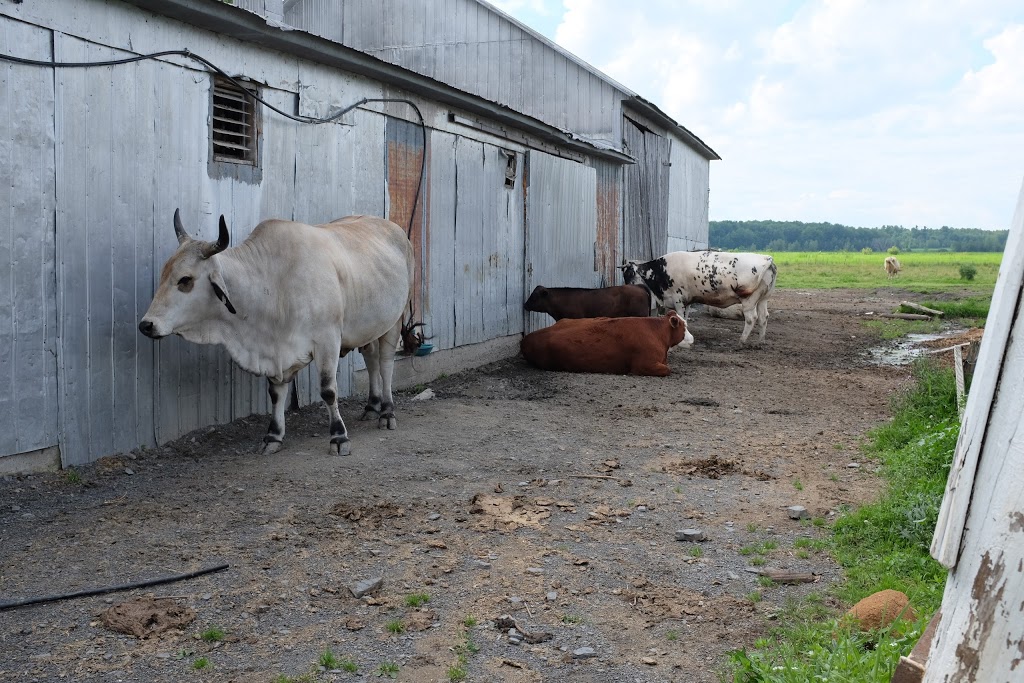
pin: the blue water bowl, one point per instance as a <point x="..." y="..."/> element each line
<point x="424" y="349"/>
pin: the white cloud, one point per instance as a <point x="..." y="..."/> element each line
<point x="857" y="111"/>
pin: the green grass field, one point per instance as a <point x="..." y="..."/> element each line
<point x="922" y="271"/>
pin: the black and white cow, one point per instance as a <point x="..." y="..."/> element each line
<point x="714" y="278"/>
<point x="289" y="294"/>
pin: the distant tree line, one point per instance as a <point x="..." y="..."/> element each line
<point x="798" y="236"/>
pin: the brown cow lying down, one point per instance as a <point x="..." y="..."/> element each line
<point x="574" y="302"/>
<point x="616" y="346"/>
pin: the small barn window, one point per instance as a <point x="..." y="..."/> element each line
<point x="235" y="129"/>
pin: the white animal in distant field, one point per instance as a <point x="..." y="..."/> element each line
<point x="892" y="266"/>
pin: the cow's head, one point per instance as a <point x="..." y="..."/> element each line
<point x="191" y="291"/>
<point x="630" y="276"/>
<point x="538" y="301"/>
<point x="679" y="333"/>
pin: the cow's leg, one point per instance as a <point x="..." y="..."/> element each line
<point x="388" y="345"/>
<point x="340" y="444"/>
<point x="762" y="319"/>
<point x="371" y="354"/>
<point x="749" y="316"/>
<point x="275" y="433"/>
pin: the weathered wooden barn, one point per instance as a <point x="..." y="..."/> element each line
<point x="536" y="167"/>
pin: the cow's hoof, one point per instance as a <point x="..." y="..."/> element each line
<point x="340" y="448"/>
<point x="270" y="447"/>
<point x="387" y="422"/>
<point x="369" y="415"/>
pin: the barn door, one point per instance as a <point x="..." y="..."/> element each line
<point x="647" y="182"/>
<point x="561" y="227"/>
<point x="28" y="313"/>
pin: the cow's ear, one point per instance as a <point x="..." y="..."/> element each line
<point x="674" y="320"/>
<point x="221" y="290"/>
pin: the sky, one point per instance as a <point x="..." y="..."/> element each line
<point x="860" y="112"/>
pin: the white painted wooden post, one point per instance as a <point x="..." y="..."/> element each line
<point x="980" y="533"/>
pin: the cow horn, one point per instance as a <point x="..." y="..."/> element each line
<point x="179" y="229"/>
<point x="223" y="239"/>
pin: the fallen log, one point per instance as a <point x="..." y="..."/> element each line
<point x="922" y="309"/>
<point x="905" y="316"/>
<point x="782" y="576"/>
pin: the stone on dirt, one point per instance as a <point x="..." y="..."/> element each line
<point x="690" y="535"/>
<point x="798" y="512"/>
<point x="366" y="586"/>
<point x="584" y="653"/>
<point x="424" y="395"/>
<point x="881" y="609"/>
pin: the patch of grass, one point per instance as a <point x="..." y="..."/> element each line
<point x="765" y="582"/>
<point x="678" y="489"/>
<point x="754" y="597"/>
<point x="833" y="477"/>
<point x="748" y="550"/>
<point x="819" y="522"/>
<point x="768" y="546"/>
<point x="308" y="677"/>
<point x="457" y="672"/>
<point x="802" y="554"/>
<point x="922" y="271"/>
<point x="891" y="329"/>
<point x="751" y="527"/>
<point x="572" y="619"/>
<point x="696" y="551"/>
<point x="672" y="635"/>
<point x="881" y="545"/>
<point x="469" y="621"/>
<point x="349" y="666"/>
<point x="798" y="485"/>
<point x="417" y="599"/>
<point x="72" y="476"/>
<point x="328" y="660"/>
<point x="757" y="561"/>
<point x="201" y="663"/>
<point x="388" y="669"/>
<point x="839" y="447"/>
<point x="214" y="634"/>
<point x="395" y="626"/>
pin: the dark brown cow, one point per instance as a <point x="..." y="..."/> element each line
<point x="575" y="302"/>
<point x="616" y="346"/>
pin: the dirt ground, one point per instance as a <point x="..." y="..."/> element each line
<point x="551" y="498"/>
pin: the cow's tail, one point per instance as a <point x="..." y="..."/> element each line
<point x="768" y="276"/>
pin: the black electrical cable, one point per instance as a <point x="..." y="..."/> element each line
<point x="210" y="65"/>
<point x="188" y="54"/>
<point x="110" y="589"/>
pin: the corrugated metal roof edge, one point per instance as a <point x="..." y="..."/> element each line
<point x="244" y="25"/>
<point x="640" y="103"/>
<point x="652" y="111"/>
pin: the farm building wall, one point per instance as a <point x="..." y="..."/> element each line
<point x="472" y="46"/>
<point x="111" y="152"/>
<point x="688" y="198"/>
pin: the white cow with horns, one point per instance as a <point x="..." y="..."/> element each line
<point x="289" y="294"/>
<point x="714" y="278"/>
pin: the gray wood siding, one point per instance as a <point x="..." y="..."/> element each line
<point x="645" y="229"/>
<point x="561" y="206"/>
<point x="470" y="46"/>
<point x="688" y="199"/>
<point x="28" y="316"/>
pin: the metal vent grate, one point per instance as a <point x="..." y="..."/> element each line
<point x="234" y="124"/>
